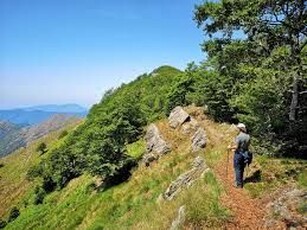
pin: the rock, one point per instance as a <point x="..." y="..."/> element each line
<point x="177" y="117"/>
<point x="179" y="221"/>
<point x="284" y="210"/>
<point x="187" y="179"/>
<point x="199" y="140"/>
<point x="148" y="158"/>
<point x="155" y="142"/>
<point x="155" y="146"/>
<point x="189" y="127"/>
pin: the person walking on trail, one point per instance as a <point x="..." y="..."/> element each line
<point x="241" y="154"/>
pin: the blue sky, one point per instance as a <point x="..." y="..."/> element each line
<point x="71" y="51"/>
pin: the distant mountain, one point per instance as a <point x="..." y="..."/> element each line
<point x="35" y="115"/>
<point x="6" y="128"/>
<point x="66" y="108"/>
<point x="14" y="137"/>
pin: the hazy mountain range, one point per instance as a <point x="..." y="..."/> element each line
<point x="18" y="127"/>
<point x="36" y="114"/>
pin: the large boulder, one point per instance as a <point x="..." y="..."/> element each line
<point x="187" y="179"/>
<point x="199" y="140"/>
<point x="177" y="117"/>
<point x="155" y="145"/>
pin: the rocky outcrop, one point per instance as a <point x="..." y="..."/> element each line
<point x="155" y="145"/>
<point x="284" y="210"/>
<point x="177" y="117"/>
<point x="187" y="179"/>
<point x="179" y="221"/>
<point x="189" y="127"/>
<point x="199" y="140"/>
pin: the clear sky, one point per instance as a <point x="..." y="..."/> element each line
<point x="71" y="51"/>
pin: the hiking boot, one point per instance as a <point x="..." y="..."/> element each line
<point x="237" y="185"/>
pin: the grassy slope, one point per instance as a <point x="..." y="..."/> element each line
<point x="14" y="186"/>
<point x="133" y="205"/>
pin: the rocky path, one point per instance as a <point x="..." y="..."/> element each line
<point x="247" y="213"/>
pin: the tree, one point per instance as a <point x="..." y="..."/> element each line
<point x="41" y="148"/>
<point x="246" y="36"/>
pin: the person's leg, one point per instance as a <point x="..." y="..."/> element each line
<point x="241" y="174"/>
<point x="239" y="170"/>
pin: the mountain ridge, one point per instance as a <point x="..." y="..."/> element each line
<point x="36" y="114"/>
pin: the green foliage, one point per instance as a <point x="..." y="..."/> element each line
<point x="63" y="134"/>
<point x="40" y="194"/>
<point x="41" y="148"/>
<point x="261" y="102"/>
<point x="179" y="93"/>
<point x="3" y="223"/>
<point x="14" y="213"/>
<point x="99" y="145"/>
<point x="136" y="149"/>
<point x="259" y="76"/>
<point x="302" y="179"/>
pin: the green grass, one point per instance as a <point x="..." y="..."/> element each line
<point x="137" y="149"/>
<point x="275" y="173"/>
<point x="15" y="189"/>
<point x="203" y="204"/>
<point x="302" y="179"/>
<point x="132" y="204"/>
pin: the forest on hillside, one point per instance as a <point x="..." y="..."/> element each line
<point x="255" y="73"/>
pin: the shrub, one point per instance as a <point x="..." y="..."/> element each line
<point x="3" y="223"/>
<point x="41" y="148"/>
<point x="39" y="195"/>
<point x="63" y="134"/>
<point x="14" y="213"/>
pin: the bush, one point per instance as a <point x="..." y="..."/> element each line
<point x="63" y="134"/>
<point x="14" y="213"/>
<point x="41" y="148"/>
<point x="40" y="194"/>
<point x="3" y="223"/>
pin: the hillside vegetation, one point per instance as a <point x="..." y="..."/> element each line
<point x="14" y="183"/>
<point x="134" y="204"/>
<point x="93" y="178"/>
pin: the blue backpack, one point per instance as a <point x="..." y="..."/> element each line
<point x="248" y="157"/>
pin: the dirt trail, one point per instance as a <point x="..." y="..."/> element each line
<point x="247" y="212"/>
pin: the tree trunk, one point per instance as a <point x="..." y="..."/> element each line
<point x="294" y="101"/>
<point x="296" y="79"/>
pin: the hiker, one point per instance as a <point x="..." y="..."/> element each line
<point x="241" y="154"/>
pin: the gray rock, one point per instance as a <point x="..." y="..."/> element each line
<point x="284" y="210"/>
<point x="177" y="117"/>
<point x="187" y="179"/>
<point x="189" y="127"/>
<point x="199" y="140"/>
<point x="148" y="158"/>
<point x="179" y="221"/>
<point x="155" y="141"/>
<point x="155" y="145"/>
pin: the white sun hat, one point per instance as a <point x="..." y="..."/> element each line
<point x="241" y="126"/>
